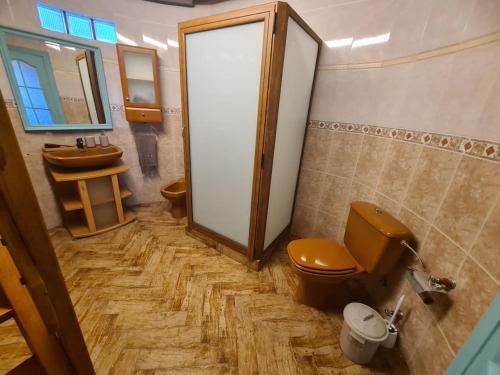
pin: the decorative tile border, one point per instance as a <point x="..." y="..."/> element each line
<point x="72" y="99"/>
<point x="476" y="147"/>
<point x="10" y="103"/>
<point x="168" y="111"/>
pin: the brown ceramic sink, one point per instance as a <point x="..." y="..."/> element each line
<point x="72" y="157"/>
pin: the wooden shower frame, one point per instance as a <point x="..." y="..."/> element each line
<point x="275" y="17"/>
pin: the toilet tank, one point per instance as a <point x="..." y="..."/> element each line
<point x="373" y="237"/>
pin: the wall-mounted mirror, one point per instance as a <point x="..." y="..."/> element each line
<point x="57" y="84"/>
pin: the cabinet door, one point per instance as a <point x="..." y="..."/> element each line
<point x="299" y="66"/>
<point x="223" y="79"/>
<point x="139" y="76"/>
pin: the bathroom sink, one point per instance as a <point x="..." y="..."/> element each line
<point x="72" y="157"/>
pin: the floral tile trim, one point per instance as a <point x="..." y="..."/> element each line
<point x="476" y="147"/>
<point x="169" y="111"/>
<point x="11" y="103"/>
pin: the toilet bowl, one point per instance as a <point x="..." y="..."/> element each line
<point x="176" y="194"/>
<point x="372" y="246"/>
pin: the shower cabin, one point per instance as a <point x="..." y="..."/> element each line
<point x="246" y="79"/>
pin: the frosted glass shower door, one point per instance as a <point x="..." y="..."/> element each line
<point x="223" y="74"/>
<point x="296" y="85"/>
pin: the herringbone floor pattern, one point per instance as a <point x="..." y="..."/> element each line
<point x="151" y="300"/>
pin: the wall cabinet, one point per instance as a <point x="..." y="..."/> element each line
<point x="246" y="78"/>
<point x="140" y="83"/>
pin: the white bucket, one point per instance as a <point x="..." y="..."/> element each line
<point x="362" y="333"/>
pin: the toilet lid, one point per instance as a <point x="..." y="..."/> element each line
<point x="323" y="255"/>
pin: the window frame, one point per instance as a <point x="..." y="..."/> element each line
<point x="67" y="13"/>
<point x="49" y="88"/>
<point x="4" y="53"/>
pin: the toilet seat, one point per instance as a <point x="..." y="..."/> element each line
<point x="322" y="257"/>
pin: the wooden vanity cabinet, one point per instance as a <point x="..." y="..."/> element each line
<point x="140" y="83"/>
<point x="92" y="201"/>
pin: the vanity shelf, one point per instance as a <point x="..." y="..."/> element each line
<point x="92" y="201"/>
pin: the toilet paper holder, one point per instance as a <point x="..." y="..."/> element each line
<point x="423" y="283"/>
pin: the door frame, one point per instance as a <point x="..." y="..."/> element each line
<point x="489" y="323"/>
<point x="283" y="12"/>
<point x="262" y="13"/>
<point x="23" y="229"/>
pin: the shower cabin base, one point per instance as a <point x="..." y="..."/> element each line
<point x="255" y="264"/>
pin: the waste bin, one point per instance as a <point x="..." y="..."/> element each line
<point x="362" y="332"/>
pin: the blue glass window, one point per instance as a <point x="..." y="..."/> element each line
<point x="51" y="18"/>
<point x="75" y="24"/>
<point x="105" y="31"/>
<point x="79" y="25"/>
<point x="32" y="93"/>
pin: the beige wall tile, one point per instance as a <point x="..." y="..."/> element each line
<point x="440" y="255"/>
<point x="344" y="153"/>
<point x="373" y="152"/>
<point x="398" y="167"/>
<point x="472" y="192"/>
<point x="486" y="250"/>
<point x="432" y="355"/>
<point x="474" y="293"/>
<point x="326" y="226"/>
<point x="334" y="196"/>
<point x="427" y="188"/>
<point x="303" y="221"/>
<point x="418" y="226"/>
<point x="310" y="187"/>
<point x="316" y="148"/>
<point x="416" y="322"/>
<point x="387" y="204"/>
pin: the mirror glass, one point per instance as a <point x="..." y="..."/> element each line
<point x="57" y="83"/>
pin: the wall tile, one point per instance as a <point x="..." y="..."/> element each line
<point x="434" y="170"/>
<point x="310" y="187"/>
<point x="432" y="355"/>
<point x="326" y="226"/>
<point x="344" y="153"/>
<point x="373" y="152"/>
<point x="316" y="149"/>
<point x="416" y="322"/>
<point x="334" y="196"/>
<point x="472" y="192"/>
<point x="474" y="293"/>
<point x="440" y="255"/>
<point x="387" y="204"/>
<point x="303" y="221"/>
<point x="485" y="250"/>
<point x="399" y="165"/>
<point x="417" y="225"/>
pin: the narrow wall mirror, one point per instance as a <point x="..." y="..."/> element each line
<point x="57" y="84"/>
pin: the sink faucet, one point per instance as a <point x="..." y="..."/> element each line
<point x="80" y="144"/>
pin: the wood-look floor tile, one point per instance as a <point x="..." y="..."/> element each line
<point x="152" y="301"/>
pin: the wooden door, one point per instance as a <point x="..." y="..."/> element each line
<point x="23" y="229"/>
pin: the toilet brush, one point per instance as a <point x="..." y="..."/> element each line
<point x="391" y="325"/>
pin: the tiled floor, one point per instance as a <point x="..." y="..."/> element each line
<point x="151" y="300"/>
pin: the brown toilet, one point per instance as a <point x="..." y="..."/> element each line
<point x="176" y="194"/>
<point x="372" y="246"/>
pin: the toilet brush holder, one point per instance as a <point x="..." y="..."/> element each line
<point x="390" y="341"/>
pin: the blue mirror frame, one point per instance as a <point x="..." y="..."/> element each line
<point x="4" y="52"/>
